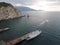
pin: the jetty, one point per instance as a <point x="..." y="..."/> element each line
<point x="4" y="29"/>
<point x="14" y="41"/>
<point x="28" y="36"/>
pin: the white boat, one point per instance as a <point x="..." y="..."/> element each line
<point x="33" y="34"/>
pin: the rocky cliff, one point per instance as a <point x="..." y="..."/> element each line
<point x="7" y="11"/>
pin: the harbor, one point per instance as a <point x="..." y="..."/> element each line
<point x="21" y="26"/>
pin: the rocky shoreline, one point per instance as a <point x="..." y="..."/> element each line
<point x="9" y="12"/>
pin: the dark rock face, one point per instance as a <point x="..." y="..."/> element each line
<point x="3" y="4"/>
<point x="7" y="11"/>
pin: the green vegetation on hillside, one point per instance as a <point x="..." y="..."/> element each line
<point x="3" y="4"/>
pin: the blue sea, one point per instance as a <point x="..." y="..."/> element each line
<point x="47" y="22"/>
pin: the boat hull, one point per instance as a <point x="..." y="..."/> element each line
<point x="33" y="34"/>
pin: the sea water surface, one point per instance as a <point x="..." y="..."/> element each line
<point x="47" y="22"/>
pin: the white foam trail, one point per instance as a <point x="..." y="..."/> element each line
<point x="43" y="22"/>
<point x="47" y="20"/>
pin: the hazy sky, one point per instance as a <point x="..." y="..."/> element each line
<point x="46" y="5"/>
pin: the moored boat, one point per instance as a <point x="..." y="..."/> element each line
<point x="33" y="34"/>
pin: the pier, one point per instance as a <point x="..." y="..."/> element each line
<point x="14" y="41"/>
<point x="28" y="36"/>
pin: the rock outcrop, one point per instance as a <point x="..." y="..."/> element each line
<point x="7" y="11"/>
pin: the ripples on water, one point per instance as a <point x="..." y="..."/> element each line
<point x="48" y="22"/>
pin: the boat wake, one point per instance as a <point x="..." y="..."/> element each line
<point x="42" y="23"/>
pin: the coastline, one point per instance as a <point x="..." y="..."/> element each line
<point x="11" y="18"/>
